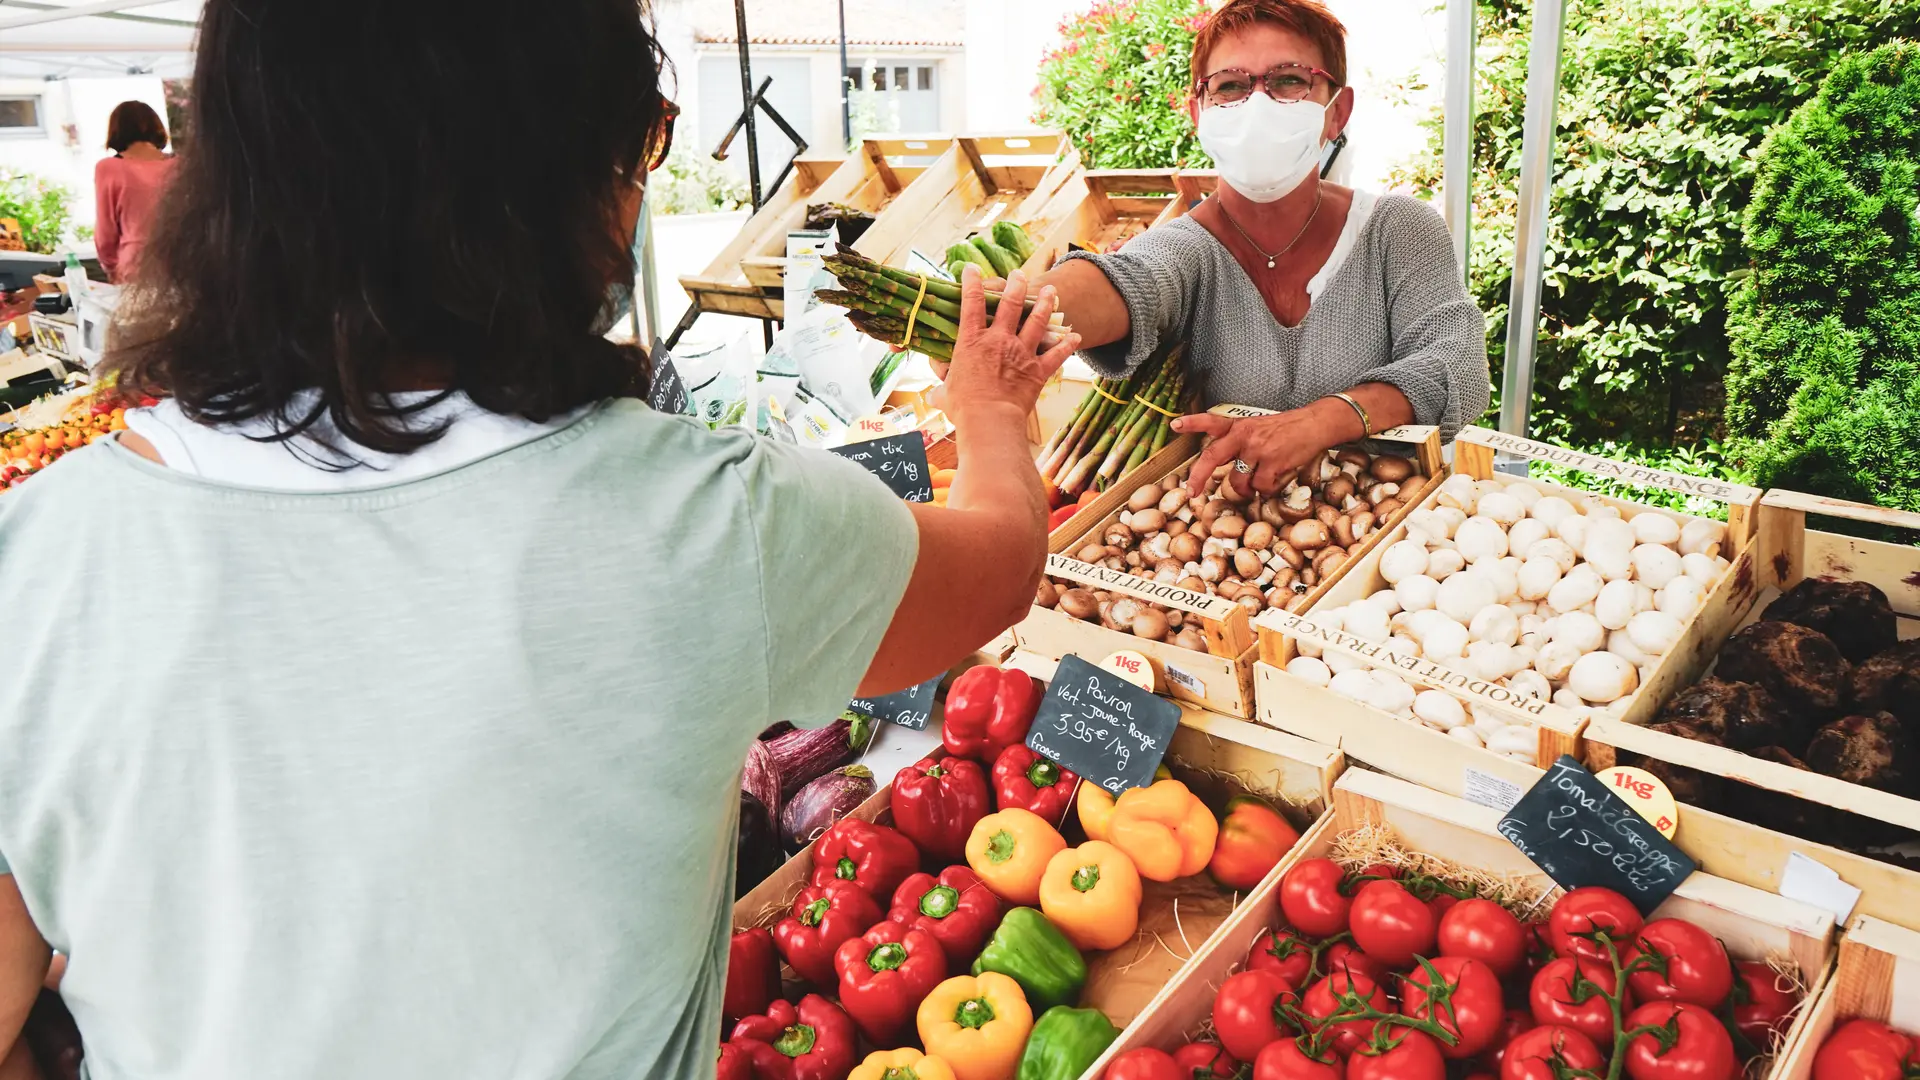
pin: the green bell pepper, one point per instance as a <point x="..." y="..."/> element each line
<point x="1034" y="953"/>
<point x="1064" y="1042"/>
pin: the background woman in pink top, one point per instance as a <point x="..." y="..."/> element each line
<point x="126" y="186"/>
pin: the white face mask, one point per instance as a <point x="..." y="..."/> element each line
<point x="1262" y="147"/>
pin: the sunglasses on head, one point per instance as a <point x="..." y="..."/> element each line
<point x="660" y="143"/>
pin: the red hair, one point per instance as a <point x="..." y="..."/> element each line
<point x="1308" y="18"/>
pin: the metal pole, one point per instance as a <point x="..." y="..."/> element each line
<point x="1457" y="141"/>
<point x="846" y="94"/>
<point x="746" y="102"/>
<point x="1530" y="231"/>
<point x="53" y="15"/>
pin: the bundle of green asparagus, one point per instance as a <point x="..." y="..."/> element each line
<point x="881" y="300"/>
<point x="1118" y="425"/>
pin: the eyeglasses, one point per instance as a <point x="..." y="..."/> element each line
<point x="662" y="140"/>
<point x="1287" y="82"/>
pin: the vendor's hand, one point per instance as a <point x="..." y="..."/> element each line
<point x="1005" y="361"/>
<point x="1275" y="446"/>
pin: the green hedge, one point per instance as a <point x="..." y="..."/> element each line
<point x="1118" y="84"/>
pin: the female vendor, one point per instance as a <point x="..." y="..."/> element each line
<point x="1343" y="311"/>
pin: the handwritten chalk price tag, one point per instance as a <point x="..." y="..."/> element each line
<point x="909" y="708"/>
<point x="666" y="392"/>
<point x="1132" y="667"/>
<point x="898" y="460"/>
<point x="1103" y="727"/>
<point x="1646" y="793"/>
<point x="1573" y="826"/>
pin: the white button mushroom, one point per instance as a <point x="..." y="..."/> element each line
<point x="1655" y="632"/>
<point x="1553" y="548"/>
<point x="1463" y="595"/>
<point x="1339" y="662"/>
<point x="1654" y="565"/>
<point x="1614" y="606"/>
<point x="1367" y="621"/>
<point x="1515" y="740"/>
<point x="1426" y="524"/>
<point x="1549" y="510"/>
<point x="1417" y="592"/>
<point x="1403" y="560"/>
<point x="1504" y="575"/>
<point x="1533" y="631"/>
<point x="1445" y="562"/>
<point x="1526" y="533"/>
<point x="1601" y="677"/>
<point x="1490" y="487"/>
<point x="1622" y="646"/>
<point x="1355" y="683"/>
<point x="1495" y="624"/>
<point x="1489" y="725"/>
<point x="1555" y="660"/>
<point x="1681" y="598"/>
<point x="1538" y="575"/>
<point x="1609" y="548"/>
<point x="1578" y="629"/>
<point x="1460" y="492"/>
<point x="1480" y="538"/>
<point x="1654" y="527"/>
<point x="1530" y="683"/>
<point x="1404" y="644"/>
<point x="1387" y="600"/>
<point x="1574" y="591"/>
<point x="1642" y="598"/>
<point x="1567" y="699"/>
<point x="1444" y="642"/>
<point x="1573" y="530"/>
<point x="1604" y="510"/>
<point x="1453" y="516"/>
<point x="1439" y="709"/>
<point x="1525" y="492"/>
<point x="1310" y="669"/>
<point x="1501" y="507"/>
<point x="1466" y="735"/>
<point x="1523" y="608"/>
<point x="1702" y="537"/>
<point x="1702" y="568"/>
<point x="1390" y="693"/>
<point x="1491" y="660"/>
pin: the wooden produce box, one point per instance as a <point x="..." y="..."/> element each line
<point x="986" y="178"/>
<point x="745" y="277"/>
<point x="1105" y="209"/>
<point x="1874" y="979"/>
<point x="1783" y="553"/>
<point x="1192" y="186"/>
<point x="1751" y="923"/>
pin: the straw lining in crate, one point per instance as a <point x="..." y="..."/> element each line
<point x="1752" y="924"/>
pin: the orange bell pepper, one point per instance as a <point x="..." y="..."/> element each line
<point x="1010" y="849"/>
<point x="977" y="1025"/>
<point x="1253" y="839"/>
<point x="1095" y="806"/>
<point x="905" y="1063"/>
<point x="1165" y="829"/>
<point x="1092" y="893"/>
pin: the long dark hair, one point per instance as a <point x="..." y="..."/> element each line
<point x="384" y="197"/>
<point x="132" y="122"/>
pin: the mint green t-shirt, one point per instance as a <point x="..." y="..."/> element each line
<point x="432" y="780"/>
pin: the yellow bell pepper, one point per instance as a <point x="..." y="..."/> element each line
<point x="1092" y="893"/>
<point x="977" y="1025"/>
<point x="905" y="1063"/>
<point x="1095" y="807"/>
<point x="1165" y="829"/>
<point x="1010" y="849"/>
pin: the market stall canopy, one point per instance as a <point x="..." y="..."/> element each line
<point x="91" y="38"/>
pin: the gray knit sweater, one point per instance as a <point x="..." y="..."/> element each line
<point x="1394" y="311"/>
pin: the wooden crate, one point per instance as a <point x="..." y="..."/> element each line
<point x="1110" y="207"/>
<point x="1193" y="186"/>
<point x="1874" y="979"/>
<point x="1215" y="755"/>
<point x="987" y="178"/>
<point x="1783" y="553"/>
<point x="1753" y="924"/>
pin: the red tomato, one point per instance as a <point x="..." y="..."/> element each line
<point x="1556" y="999"/>
<point x="1874" y="1033"/>
<point x="1283" y="951"/>
<point x="1441" y="904"/>
<point x="1460" y="994"/>
<point x="1379" y="870"/>
<point x="1342" y="956"/>
<point x="1762" y="1007"/>
<point x="1862" y="1050"/>
<point x="1246" y="1012"/>
<point x="1145" y="1063"/>
<point x="1310" y="897"/>
<point x="1285" y="1060"/>
<point x="1412" y="1055"/>
<point x="1702" y="1051"/>
<point x="1336" y="994"/>
<point x="1539" y="945"/>
<point x="1204" y="1060"/>
<point x="1585" y="910"/>
<point x="1513" y="1023"/>
<point x="1531" y="1055"/>
<point x="1486" y="932"/>
<point x="1390" y="925"/>
<point x="1696" y="968"/>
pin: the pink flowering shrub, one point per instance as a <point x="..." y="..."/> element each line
<point x="1118" y="83"/>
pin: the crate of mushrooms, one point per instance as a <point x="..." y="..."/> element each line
<point x="1561" y="604"/>
<point x="1799" y="709"/>
<point x="1178" y="577"/>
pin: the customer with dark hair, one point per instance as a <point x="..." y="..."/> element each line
<point x="126" y="186"/>
<point x="389" y="685"/>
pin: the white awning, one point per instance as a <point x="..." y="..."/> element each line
<point x="93" y="38"/>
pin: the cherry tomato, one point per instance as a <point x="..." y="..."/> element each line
<point x="1204" y="1061"/>
<point x="1862" y="1050"/>
<point x="1311" y="899"/>
<point x="1513" y="1023"/>
<point x="1460" y="994"/>
<point x="1286" y="1060"/>
<point x="1702" y="1051"/>
<point x="1696" y="966"/>
<point x="1342" y="956"/>
<point x="1283" y="951"/>
<point x="1530" y="1056"/>
<point x="1556" y="1000"/>
<point x="1485" y="931"/>
<point x="1390" y="925"/>
<point x="1246" y="1012"/>
<point x="1410" y="1055"/>
<point x="1762" y="1007"/>
<point x="1585" y="910"/>
<point x="1324" y="1000"/>
<point x="1145" y="1063"/>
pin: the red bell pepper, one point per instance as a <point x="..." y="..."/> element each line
<point x="936" y="802"/>
<point x="823" y="917"/>
<point x="884" y="975"/>
<point x="753" y="974"/>
<point x="875" y="857"/>
<point x="1024" y="779"/>
<point x="956" y="908"/>
<point x="987" y="711"/>
<point x="734" y="1064"/>
<point x="812" y="1042"/>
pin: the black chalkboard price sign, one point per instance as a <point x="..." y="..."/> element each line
<point x="1575" y="828"/>
<point x="908" y="708"/>
<point x="900" y="460"/>
<point x="666" y="392"/>
<point x="1102" y="726"/>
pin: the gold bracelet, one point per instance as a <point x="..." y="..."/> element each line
<point x="1366" y="423"/>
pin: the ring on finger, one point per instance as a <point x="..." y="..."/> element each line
<point x="1241" y="467"/>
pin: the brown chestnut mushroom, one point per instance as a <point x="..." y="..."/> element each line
<point x="1175" y="527"/>
<point x="1391" y="467"/>
<point x="1189" y="638"/>
<point x="1309" y="535"/>
<point x="1213" y="568"/>
<point x="1338" y="490"/>
<point x="1273" y="511"/>
<point x="1079" y="603"/>
<point x="1144" y="496"/>
<point x="1382" y="491"/>
<point x="1353" y="457"/>
<point x="1133" y="559"/>
<point x="1046" y="595"/>
<point x="1385" y="508"/>
<point x="1229" y="526"/>
<point x="1114" y="562"/>
<point x="1148" y="521"/>
<point x="1252" y="601"/>
<point x="1186" y="547"/>
<point x="1175" y="619"/>
<point x="1298" y="505"/>
<point x="1328" y="560"/>
<point x="1299" y="603"/>
<point x="1091" y="553"/>
<point x="1289" y="554"/>
<point x="1228" y="589"/>
<point x="1246" y="562"/>
<point x="1150" y="624"/>
<point x="1193" y="584"/>
<point x="1173" y="500"/>
<point x="1118" y="536"/>
<point x="1326" y="514"/>
<point x="1259" y="536"/>
<point x="1230" y="488"/>
<point x="1309" y="577"/>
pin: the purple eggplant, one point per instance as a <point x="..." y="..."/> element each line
<point x="761" y="778"/>
<point x="824" y="801"/>
<point x="801" y="755"/>
<point x="758" y="853"/>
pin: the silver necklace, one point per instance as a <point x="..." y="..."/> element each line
<point x="1273" y="258"/>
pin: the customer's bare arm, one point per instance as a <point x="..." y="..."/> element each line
<point x="980" y="556"/>
<point x="24" y="957"/>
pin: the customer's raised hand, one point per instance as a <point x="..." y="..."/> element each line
<point x="1005" y="360"/>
